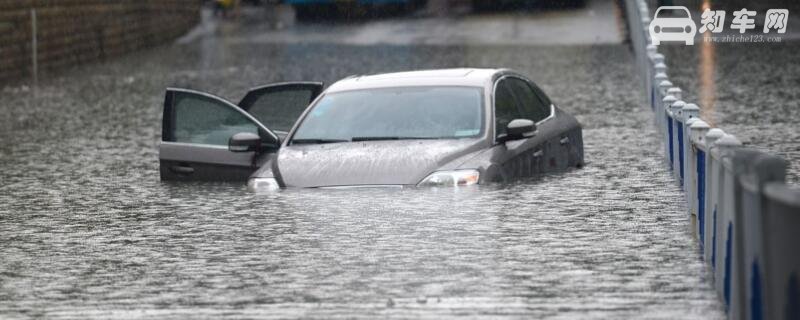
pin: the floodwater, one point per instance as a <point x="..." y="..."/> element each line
<point x="87" y="230"/>
<point x="753" y="91"/>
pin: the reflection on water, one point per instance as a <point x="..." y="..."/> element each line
<point x="88" y="230"/>
<point x="708" y="89"/>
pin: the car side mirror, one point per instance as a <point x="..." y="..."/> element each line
<point x="244" y="142"/>
<point x="520" y="129"/>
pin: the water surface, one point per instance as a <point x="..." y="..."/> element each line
<point x="88" y="230"/>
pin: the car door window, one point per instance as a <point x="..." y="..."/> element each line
<point x="278" y="106"/>
<point x="203" y="120"/>
<point x="506" y="108"/>
<point x="533" y="107"/>
<point x="278" y="110"/>
<point x="543" y="97"/>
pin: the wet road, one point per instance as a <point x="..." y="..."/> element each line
<point x="595" y="23"/>
<point x="88" y="230"/>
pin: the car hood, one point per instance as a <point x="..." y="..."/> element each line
<point x="403" y="162"/>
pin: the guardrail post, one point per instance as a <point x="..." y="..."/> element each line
<point x="660" y="67"/>
<point x="675" y="92"/>
<point x="688" y="155"/>
<point x="781" y="259"/>
<point x="663" y="117"/>
<point x="764" y="169"/>
<point x="663" y="86"/>
<point x="672" y="127"/>
<point x="678" y="120"/>
<point x="651" y="49"/>
<point x="657" y="95"/>
<point x="710" y="200"/>
<point x="687" y="114"/>
<point x="696" y="188"/>
<point x="657" y="58"/>
<point x="723" y="224"/>
<point x="739" y="162"/>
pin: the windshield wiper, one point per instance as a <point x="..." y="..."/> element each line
<point x="356" y="139"/>
<point x="317" y="141"/>
<point x="391" y="138"/>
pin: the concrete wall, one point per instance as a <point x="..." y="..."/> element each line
<point x="76" y="31"/>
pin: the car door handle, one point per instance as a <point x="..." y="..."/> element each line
<point x="538" y="153"/>
<point x="182" y="169"/>
<point x="564" y="140"/>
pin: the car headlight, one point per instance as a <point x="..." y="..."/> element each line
<point x="263" y="184"/>
<point x="453" y="178"/>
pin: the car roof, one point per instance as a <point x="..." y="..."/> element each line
<point x="442" y="77"/>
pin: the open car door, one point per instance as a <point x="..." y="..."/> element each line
<point x="279" y="105"/>
<point x="198" y="130"/>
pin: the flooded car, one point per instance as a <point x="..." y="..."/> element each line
<point x="447" y="128"/>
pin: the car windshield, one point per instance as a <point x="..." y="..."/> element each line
<point x="393" y="114"/>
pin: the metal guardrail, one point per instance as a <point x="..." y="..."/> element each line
<point x="747" y="217"/>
